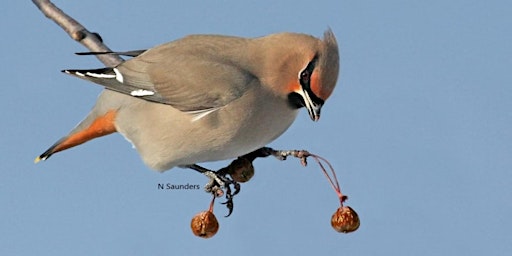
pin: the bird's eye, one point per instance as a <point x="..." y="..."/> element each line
<point x="305" y="76"/>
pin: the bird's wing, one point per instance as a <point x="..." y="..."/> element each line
<point x="185" y="75"/>
<point x="187" y="81"/>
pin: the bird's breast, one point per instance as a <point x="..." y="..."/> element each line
<point x="166" y="137"/>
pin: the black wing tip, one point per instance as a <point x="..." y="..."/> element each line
<point x="133" y="53"/>
<point x="88" y="72"/>
<point x="93" y="53"/>
<point x="74" y="72"/>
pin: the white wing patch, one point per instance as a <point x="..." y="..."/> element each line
<point x="98" y="75"/>
<point x="198" y="114"/>
<point x="141" y="93"/>
<point x="76" y="73"/>
<point x="119" y="76"/>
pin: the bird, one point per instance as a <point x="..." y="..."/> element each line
<point x="207" y="98"/>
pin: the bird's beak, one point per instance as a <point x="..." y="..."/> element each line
<point x="312" y="106"/>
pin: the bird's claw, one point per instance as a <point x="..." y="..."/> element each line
<point x="229" y="197"/>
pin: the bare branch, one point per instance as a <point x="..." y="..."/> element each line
<point x="79" y="33"/>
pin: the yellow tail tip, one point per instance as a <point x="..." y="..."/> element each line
<point x="37" y="160"/>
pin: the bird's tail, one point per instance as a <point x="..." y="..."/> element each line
<point x="93" y="126"/>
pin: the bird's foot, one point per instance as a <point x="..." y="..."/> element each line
<point x="218" y="181"/>
<point x="215" y="184"/>
<point x="283" y="154"/>
<point x="279" y="154"/>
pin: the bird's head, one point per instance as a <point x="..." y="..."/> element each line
<point x="306" y="70"/>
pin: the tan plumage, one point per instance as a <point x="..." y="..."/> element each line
<point x="209" y="97"/>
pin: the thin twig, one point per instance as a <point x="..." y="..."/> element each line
<point x="78" y="32"/>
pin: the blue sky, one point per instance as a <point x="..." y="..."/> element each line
<point x="418" y="129"/>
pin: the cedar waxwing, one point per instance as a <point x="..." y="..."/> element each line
<point x="208" y="97"/>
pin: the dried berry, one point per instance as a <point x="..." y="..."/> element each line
<point x="204" y="224"/>
<point x="345" y="220"/>
<point x="241" y="170"/>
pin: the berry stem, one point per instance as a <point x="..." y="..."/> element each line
<point x="334" y="182"/>
<point x="211" y="205"/>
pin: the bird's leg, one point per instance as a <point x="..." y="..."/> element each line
<point x="219" y="180"/>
